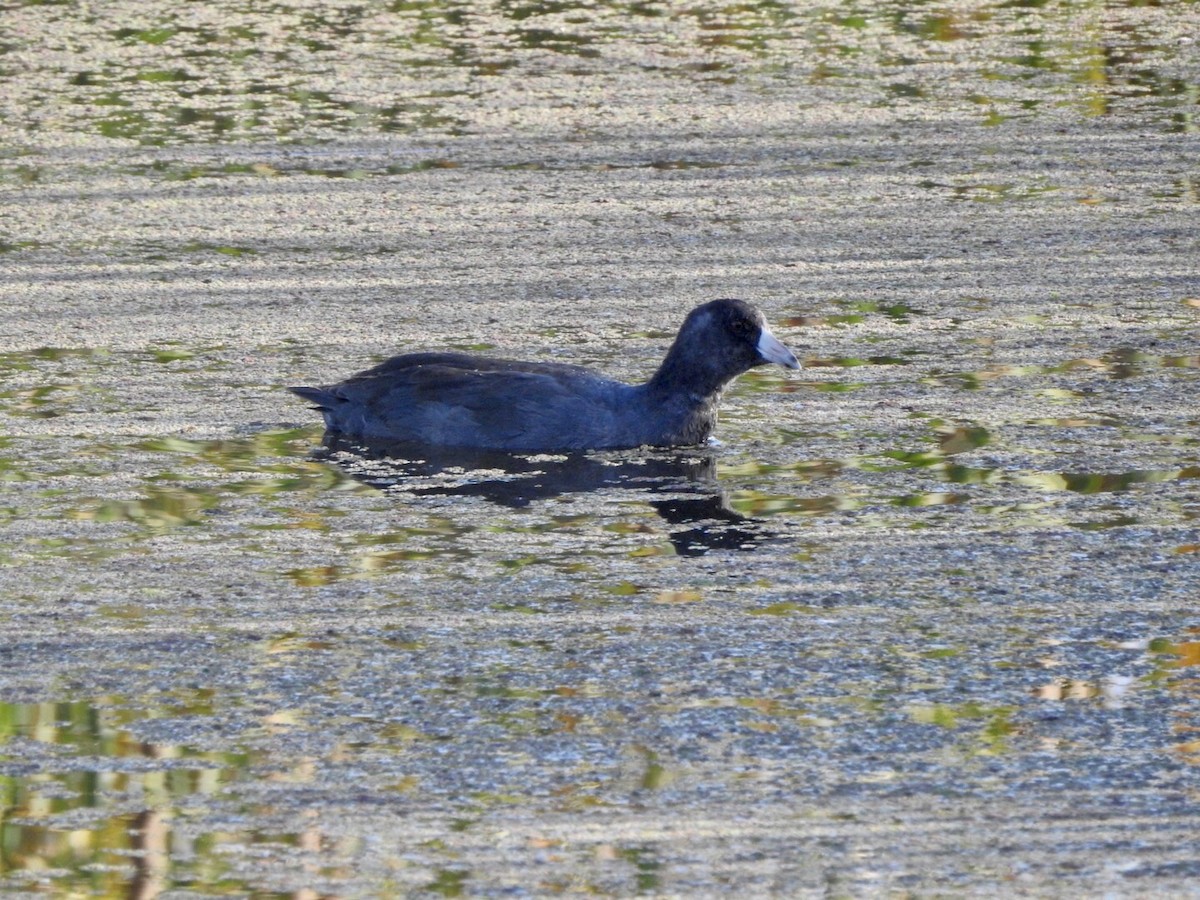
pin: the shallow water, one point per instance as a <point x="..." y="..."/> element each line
<point x="945" y="574"/>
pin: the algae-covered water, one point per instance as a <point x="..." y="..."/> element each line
<point x="923" y="623"/>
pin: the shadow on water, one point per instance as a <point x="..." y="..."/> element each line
<point x="683" y="488"/>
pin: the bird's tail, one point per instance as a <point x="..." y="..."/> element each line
<point x="321" y="397"/>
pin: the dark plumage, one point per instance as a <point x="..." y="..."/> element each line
<point x="457" y="400"/>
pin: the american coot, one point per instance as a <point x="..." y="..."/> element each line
<point x="457" y="400"/>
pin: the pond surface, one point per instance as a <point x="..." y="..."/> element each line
<point x="943" y="577"/>
<point x="227" y="72"/>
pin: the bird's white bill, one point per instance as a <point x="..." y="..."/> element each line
<point x="771" y="350"/>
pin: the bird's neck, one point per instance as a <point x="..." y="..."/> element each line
<point x="683" y="375"/>
<point x="683" y="397"/>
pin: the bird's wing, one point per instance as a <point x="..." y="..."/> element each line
<point x="447" y="404"/>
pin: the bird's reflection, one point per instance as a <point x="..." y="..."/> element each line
<point x="683" y="486"/>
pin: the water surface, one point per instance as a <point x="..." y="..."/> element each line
<point x="945" y="573"/>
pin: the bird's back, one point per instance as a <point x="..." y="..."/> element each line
<point x="455" y="399"/>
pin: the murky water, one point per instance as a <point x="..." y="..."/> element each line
<point x="954" y="557"/>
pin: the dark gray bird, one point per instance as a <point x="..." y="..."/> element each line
<point x="458" y="400"/>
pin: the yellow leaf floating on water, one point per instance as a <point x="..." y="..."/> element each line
<point x="678" y="597"/>
<point x="1191" y="748"/>
<point x="782" y="608"/>
<point x="405" y="785"/>
<point x="1188" y="653"/>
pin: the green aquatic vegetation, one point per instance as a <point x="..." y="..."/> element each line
<point x="962" y="439"/>
<point x="449" y="882"/>
<point x="1118" y="364"/>
<point x="854" y="362"/>
<point x="316" y="576"/>
<point x="1002" y="192"/>
<point x="1169" y="656"/>
<point x="858" y="312"/>
<point x="986" y="729"/>
<point x="46" y="401"/>
<point x="930" y="498"/>
<point x="622" y="589"/>
<point x="760" y="503"/>
<point x="197" y="246"/>
<point x="180" y="497"/>
<point x="27" y="360"/>
<point x="65" y="817"/>
<point x="1102" y="482"/>
<point x="433" y="528"/>
<point x="161" y="508"/>
<point x="311" y="478"/>
<point x="748" y="496"/>
<point x="783" y="608"/>
<point x="264" y="451"/>
<point x="172" y="355"/>
<point x="365" y="565"/>
<point x="152" y="36"/>
<point x="836" y="387"/>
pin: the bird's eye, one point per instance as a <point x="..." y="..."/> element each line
<point x="742" y="326"/>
